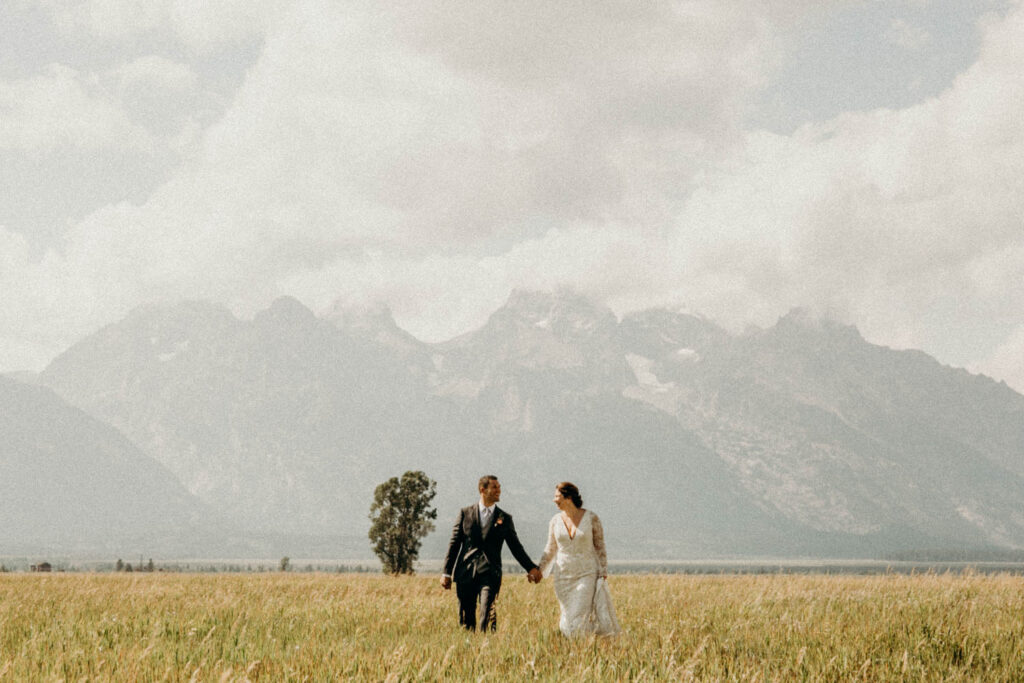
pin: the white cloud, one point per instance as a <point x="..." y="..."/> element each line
<point x="439" y="296"/>
<point x="105" y="18"/>
<point x="163" y="95"/>
<point x="882" y="216"/>
<point x="1005" y="361"/>
<point x="202" y="26"/>
<point x="437" y="159"/>
<point x="908" y="36"/>
<point x="45" y="307"/>
<point x="154" y="71"/>
<point x="339" y="135"/>
<point x="205" y="26"/>
<point x="63" y="108"/>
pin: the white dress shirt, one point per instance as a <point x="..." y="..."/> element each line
<point x="486" y="513"/>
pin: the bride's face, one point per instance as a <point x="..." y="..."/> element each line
<point x="560" y="500"/>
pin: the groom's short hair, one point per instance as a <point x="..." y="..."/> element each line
<point x="485" y="481"/>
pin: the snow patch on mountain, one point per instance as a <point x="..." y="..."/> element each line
<point x="645" y="377"/>
<point x="462" y="387"/>
<point x="179" y="348"/>
<point x="687" y="355"/>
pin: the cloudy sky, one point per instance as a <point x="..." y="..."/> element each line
<point x="861" y="158"/>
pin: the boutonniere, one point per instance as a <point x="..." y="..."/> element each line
<point x="499" y="521"/>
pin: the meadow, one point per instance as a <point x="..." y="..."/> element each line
<point x="324" y="627"/>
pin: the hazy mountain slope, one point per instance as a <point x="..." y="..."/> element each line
<point x="845" y="436"/>
<point x="265" y="419"/>
<point x="71" y="483"/>
<point x="547" y="373"/>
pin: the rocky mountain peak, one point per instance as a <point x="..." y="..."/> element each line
<point x="658" y="331"/>
<point x="802" y="322"/>
<point x="149" y="335"/>
<point x="565" y="313"/>
<point x="373" y="321"/>
<point x="286" y="310"/>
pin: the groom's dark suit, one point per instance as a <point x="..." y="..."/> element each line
<point x="474" y="562"/>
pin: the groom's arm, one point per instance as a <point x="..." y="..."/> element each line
<point x="512" y="539"/>
<point x="454" y="546"/>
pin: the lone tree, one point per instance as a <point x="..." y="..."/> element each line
<point x="401" y="516"/>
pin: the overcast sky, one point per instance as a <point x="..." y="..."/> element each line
<point x="864" y="159"/>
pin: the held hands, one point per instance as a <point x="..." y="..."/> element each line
<point x="446" y="582"/>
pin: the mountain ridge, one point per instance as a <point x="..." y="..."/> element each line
<point x="801" y="438"/>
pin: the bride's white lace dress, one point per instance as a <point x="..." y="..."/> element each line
<point x="575" y="560"/>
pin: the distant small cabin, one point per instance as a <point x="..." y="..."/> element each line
<point x="42" y="567"/>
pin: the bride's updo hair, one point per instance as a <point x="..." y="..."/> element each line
<point x="571" y="492"/>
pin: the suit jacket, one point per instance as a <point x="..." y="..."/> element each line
<point x="476" y="552"/>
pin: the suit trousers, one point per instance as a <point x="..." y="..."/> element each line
<point x="476" y="601"/>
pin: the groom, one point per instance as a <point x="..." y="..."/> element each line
<point x="474" y="556"/>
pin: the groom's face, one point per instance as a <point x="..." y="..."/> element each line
<point x="491" y="494"/>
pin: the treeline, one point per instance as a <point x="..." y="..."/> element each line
<point x="231" y="568"/>
<point x="190" y="568"/>
<point x="120" y="566"/>
<point x="955" y="555"/>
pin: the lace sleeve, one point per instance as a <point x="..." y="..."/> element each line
<point x="599" y="549"/>
<point x="549" y="550"/>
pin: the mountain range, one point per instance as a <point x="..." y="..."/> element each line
<point x="802" y="439"/>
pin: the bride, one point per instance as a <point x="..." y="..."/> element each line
<point x="576" y="549"/>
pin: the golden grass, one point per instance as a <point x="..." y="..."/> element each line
<point x="321" y="627"/>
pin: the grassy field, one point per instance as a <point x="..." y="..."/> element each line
<point x="321" y="627"/>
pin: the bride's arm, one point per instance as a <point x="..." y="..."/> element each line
<point x="549" y="550"/>
<point x="599" y="549"/>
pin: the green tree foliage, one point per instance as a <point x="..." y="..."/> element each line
<point x="285" y="563"/>
<point x="401" y="514"/>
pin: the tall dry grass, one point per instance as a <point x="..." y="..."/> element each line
<point x="321" y="627"/>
